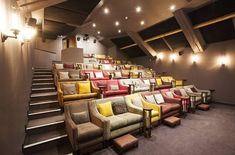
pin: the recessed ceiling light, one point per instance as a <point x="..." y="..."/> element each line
<point x="142" y="22"/>
<point x="98" y="32"/>
<point x="117" y="23"/>
<point x="172" y="7"/>
<point x="93" y="25"/>
<point x="126" y="17"/>
<point x="119" y="31"/>
<point x="106" y="10"/>
<point x="138" y="9"/>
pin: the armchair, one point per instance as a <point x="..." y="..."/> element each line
<point x="82" y="129"/>
<point x="192" y="90"/>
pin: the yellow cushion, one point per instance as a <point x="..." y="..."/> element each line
<point x="105" y="109"/>
<point x="159" y="82"/>
<point x="84" y="87"/>
<point x="179" y="83"/>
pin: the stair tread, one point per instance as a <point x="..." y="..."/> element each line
<point x="45" y="110"/>
<point x="46" y="83"/>
<point x="42" y="79"/>
<point x="45" y="121"/>
<point x="37" y="139"/>
<point x="43" y="102"/>
<point x="45" y="88"/>
<point x="43" y="94"/>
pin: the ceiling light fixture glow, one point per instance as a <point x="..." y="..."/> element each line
<point x="138" y="9"/>
<point x="106" y="10"/>
<point x="98" y="32"/>
<point x="117" y="23"/>
<point x="126" y="17"/>
<point x="172" y="7"/>
<point x="173" y="57"/>
<point x="93" y="25"/>
<point x="195" y="58"/>
<point x="119" y="31"/>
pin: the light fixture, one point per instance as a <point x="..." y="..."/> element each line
<point x="98" y="32"/>
<point x="126" y="17"/>
<point x="223" y="60"/>
<point x="172" y="7"/>
<point x="142" y="22"/>
<point x="160" y="56"/>
<point x="195" y="58"/>
<point x="138" y="9"/>
<point x="117" y="23"/>
<point x="173" y="56"/>
<point x="119" y="31"/>
<point x="106" y="10"/>
<point x="93" y="25"/>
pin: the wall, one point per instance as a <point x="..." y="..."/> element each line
<point x="72" y="55"/>
<point x="116" y="53"/>
<point x="207" y="73"/>
<point x="15" y="83"/>
<point x="46" y="52"/>
<point x="89" y="47"/>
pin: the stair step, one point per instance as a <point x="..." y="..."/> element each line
<point x="42" y="70"/>
<point x="36" y="103"/>
<point x="45" y="122"/>
<point x="44" y="138"/>
<point x="42" y="113"/>
<point x="43" y="79"/>
<point x="42" y="76"/>
<point x="42" y="73"/>
<point x="43" y="89"/>
<point x="33" y="95"/>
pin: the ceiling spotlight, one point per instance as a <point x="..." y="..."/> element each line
<point x="138" y="9"/>
<point x="106" y="10"/>
<point x="172" y="7"/>
<point x="142" y="22"/>
<point x="98" y="32"/>
<point x="93" y="25"/>
<point x="126" y="17"/>
<point x="119" y="31"/>
<point x="117" y="23"/>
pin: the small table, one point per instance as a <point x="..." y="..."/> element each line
<point x="147" y="125"/>
<point x="204" y="97"/>
<point x="131" y="88"/>
<point x="102" y="90"/>
<point x="192" y="99"/>
<point x="184" y="102"/>
<point x="125" y="143"/>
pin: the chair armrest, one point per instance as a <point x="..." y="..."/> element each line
<point x="94" y="88"/>
<point x="60" y="97"/>
<point x="194" y="94"/>
<point x="72" y="132"/>
<point x="154" y="107"/>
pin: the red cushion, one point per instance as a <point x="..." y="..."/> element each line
<point x="168" y="107"/>
<point x="70" y="66"/>
<point x="115" y="92"/>
<point x="177" y="92"/>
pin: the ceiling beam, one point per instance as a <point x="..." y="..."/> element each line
<point x="168" y="44"/>
<point x="146" y="48"/>
<point x="194" y="37"/>
<point x="82" y="13"/>
<point x="29" y="5"/>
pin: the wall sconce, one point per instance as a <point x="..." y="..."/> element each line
<point x="25" y="32"/>
<point x="173" y="56"/>
<point x="160" y="56"/>
<point x="195" y="58"/>
<point x="223" y="60"/>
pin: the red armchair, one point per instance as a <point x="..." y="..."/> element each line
<point x="94" y="74"/>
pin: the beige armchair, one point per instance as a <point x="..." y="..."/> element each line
<point x="82" y="129"/>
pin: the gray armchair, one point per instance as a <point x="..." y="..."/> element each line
<point x="82" y="129"/>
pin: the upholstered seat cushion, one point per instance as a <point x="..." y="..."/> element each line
<point x="115" y="92"/>
<point x="167" y="107"/>
<point x="79" y="96"/>
<point x="116" y="122"/>
<point x="131" y="118"/>
<point x="155" y="113"/>
<point x="88" y="131"/>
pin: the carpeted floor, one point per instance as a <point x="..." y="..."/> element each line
<point x="202" y="133"/>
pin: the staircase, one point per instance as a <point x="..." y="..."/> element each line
<point x="45" y="127"/>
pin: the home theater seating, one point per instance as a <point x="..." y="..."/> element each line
<point x="108" y="77"/>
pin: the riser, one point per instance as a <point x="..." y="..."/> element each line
<point x="43" y="81"/>
<point x="43" y="86"/>
<point x="43" y="91"/>
<point x="45" y="129"/>
<point x="31" y="117"/>
<point x="43" y="106"/>
<point x="34" y="149"/>
<point x="38" y="73"/>
<point x="43" y="98"/>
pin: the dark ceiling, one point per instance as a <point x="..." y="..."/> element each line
<point x="63" y="18"/>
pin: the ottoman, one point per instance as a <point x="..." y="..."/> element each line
<point x="204" y="107"/>
<point x="172" y="121"/>
<point x="125" y="143"/>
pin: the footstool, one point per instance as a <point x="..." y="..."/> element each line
<point x="172" y="121"/>
<point x="204" y="107"/>
<point x="125" y="143"/>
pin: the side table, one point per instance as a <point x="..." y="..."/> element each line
<point x="192" y="99"/>
<point x="131" y="88"/>
<point x="102" y="90"/>
<point x="147" y="115"/>
<point x="184" y="102"/>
